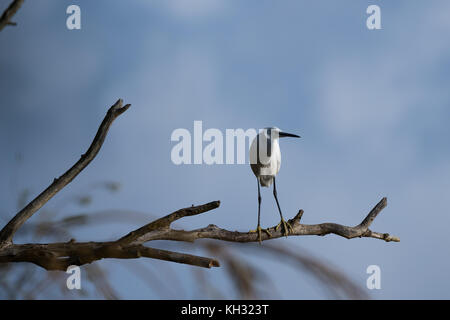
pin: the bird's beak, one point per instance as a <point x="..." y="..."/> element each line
<point x="285" y="134"/>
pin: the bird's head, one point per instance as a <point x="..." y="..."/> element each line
<point x="275" y="133"/>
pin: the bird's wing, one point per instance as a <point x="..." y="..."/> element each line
<point x="277" y="153"/>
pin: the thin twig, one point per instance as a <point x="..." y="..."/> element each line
<point x="5" y="19"/>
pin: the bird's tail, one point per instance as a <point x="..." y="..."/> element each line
<point x="266" y="181"/>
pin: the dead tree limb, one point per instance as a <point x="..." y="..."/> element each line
<point x="160" y="229"/>
<point x="7" y="233"/>
<point x="59" y="256"/>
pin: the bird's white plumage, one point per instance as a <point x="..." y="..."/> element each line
<point x="265" y="161"/>
<point x="267" y="165"/>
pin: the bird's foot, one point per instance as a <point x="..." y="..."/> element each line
<point x="286" y="227"/>
<point x="258" y="230"/>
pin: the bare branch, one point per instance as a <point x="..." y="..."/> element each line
<point x="58" y="256"/>
<point x="145" y="234"/>
<point x="139" y="235"/>
<point x="9" y="13"/>
<point x="7" y="233"/>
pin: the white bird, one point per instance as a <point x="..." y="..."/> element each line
<point x="265" y="161"/>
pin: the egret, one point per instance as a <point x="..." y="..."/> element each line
<point x="265" y="161"/>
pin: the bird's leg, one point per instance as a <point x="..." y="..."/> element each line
<point x="258" y="228"/>
<point x="286" y="226"/>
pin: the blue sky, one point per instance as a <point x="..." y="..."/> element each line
<point x="372" y="108"/>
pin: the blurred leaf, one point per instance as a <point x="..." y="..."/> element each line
<point x="84" y="200"/>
